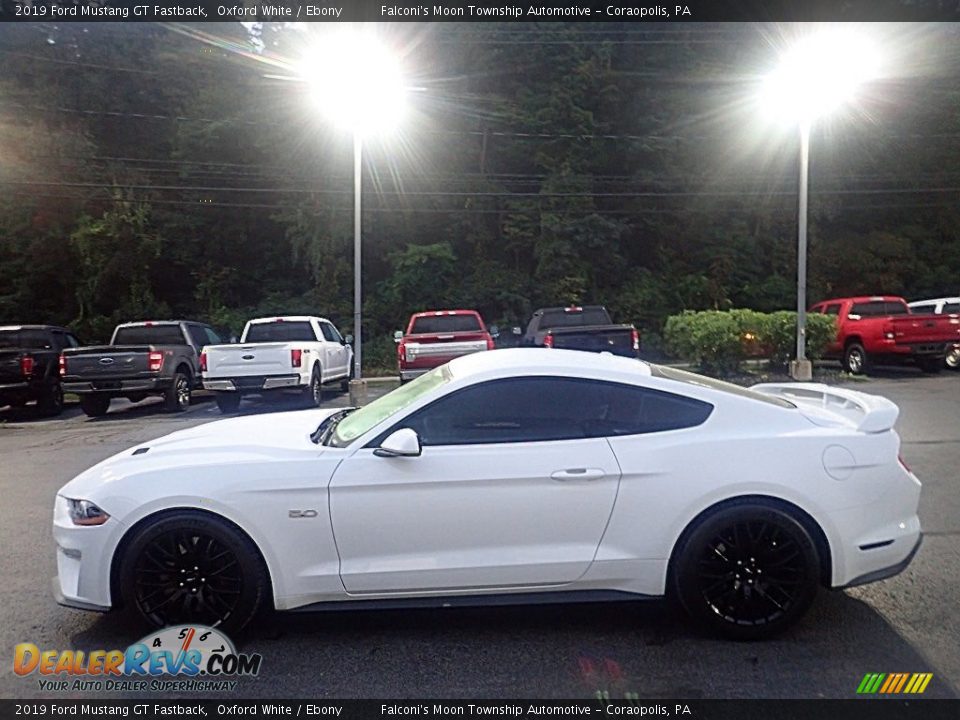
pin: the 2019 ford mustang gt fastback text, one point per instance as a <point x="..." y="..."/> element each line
<point x="508" y="476"/>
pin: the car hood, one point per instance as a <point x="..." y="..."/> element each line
<point x="255" y="438"/>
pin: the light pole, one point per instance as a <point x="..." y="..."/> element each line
<point x="357" y="83"/>
<point x="818" y="74"/>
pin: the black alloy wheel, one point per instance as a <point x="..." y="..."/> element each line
<point x="187" y="568"/>
<point x="747" y="571"/>
<point x="51" y="401"/>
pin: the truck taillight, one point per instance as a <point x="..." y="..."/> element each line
<point x="548" y="341"/>
<point x="296" y="358"/>
<point x="155" y="361"/>
<point x="635" y="336"/>
<point x="489" y="343"/>
<point x="203" y="361"/>
<point x="401" y="350"/>
<point x="63" y="365"/>
<point x="26" y="365"/>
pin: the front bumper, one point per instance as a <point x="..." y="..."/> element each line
<point x="84" y="555"/>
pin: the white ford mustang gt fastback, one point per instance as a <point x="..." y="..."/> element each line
<point x="511" y="476"/>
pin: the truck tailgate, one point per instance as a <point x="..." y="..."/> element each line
<point x="108" y="361"/>
<point x="254" y="359"/>
<point x="914" y="329"/>
<point x="446" y="345"/>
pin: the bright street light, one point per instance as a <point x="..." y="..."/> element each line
<point x="816" y="76"/>
<point x="358" y="85"/>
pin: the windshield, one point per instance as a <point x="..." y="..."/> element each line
<point x="357" y="423"/>
<point x="429" y="324"/>
<point x="280" y="331"/>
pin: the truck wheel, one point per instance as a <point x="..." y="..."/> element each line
<point x="313" y="393"/>
<point x="176" y="398"/>
<point x="953" y="358"/>
<point x="228" y="402"/>
<point x="931" y="366"/>
<point x="51" y="401"/>
<point x="95" y="405"/>
<point x="345" y="383"/>
<point x="855" y="360"/>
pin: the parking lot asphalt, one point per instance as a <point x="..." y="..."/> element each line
<point x="906" y="624"/>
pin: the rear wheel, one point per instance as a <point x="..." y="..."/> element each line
<point x="228" y="402"/>
<point x="313" y="393"/>
<point x="191" y="568"/>
<point x="747" y="571"/>
<point x="51" y="400"/>
<point x="855" y="360"/>
<point x="952" y="360"/>
<point x="176" y="398"/>
<point x="95" y="405"/>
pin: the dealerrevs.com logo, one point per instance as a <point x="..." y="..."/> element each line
<point x="203" y="657"/>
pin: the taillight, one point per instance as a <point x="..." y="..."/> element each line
<point x="26" y="365"/>
<point x="400" y="351"/>
<point x="548" y="341"/>
<point x="155" y="361"/>
<point x="63" y="366"/>
<point x="296" y="358"/>
<point x="489" y="343"/>
<point x="203" y="361"/>
<point x="635" y="336"/>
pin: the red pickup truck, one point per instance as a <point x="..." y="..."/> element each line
<point x="437" y="336"/>
<point x="881" y="329"/>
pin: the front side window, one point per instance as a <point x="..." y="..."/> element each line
<point x="951" y="308"/>
<point x="329" y="334"/>
<point x="540" y="409"/>
<point x="833" y="309"/>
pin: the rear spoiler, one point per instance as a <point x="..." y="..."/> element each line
<point x="867" y="413"/>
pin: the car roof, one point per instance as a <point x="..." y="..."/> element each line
<point x="934" y="300"/>
<point x="434" y="313"/>
<point x="144" y="323"/>
<point x="286" y="318"/>
<point x="33" y="327"/>
<point x="538" y="360"/>
<point x="862" y="299"/>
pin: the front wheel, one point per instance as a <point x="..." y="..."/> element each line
<point x="747" y="571"/>
<point x="189" y="568"/>
<point x="95" y="405"/>
<point x="176" y="398"/>
<point x="855" y="360"/>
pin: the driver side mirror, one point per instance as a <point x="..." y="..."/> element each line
<point x="401" y="443"/>
<point x="517" y="330"/>
<point x="398" y="336"/>
<point x="494" y="331"/>
<point x="348" y="340"/>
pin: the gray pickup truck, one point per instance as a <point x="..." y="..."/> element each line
<point x="581" y="328"/>
<point x="143" y="358"/>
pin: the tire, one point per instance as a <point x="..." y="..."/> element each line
<point x="176" y="398"/>
<point x="188" y="567"/>
<point x="228" y="402"/>
<point x="855" y="359"/>
<point x="752" y="593"/>
<point x="931" y="367"/>
<point x="345" y="383"/>
<point x="313" y="393"/>
<point x="95" y="405"/>
<point x="952" y="361"/>
<point x="50" y="402"/>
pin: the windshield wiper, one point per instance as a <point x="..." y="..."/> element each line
<point x="326" y="428"/>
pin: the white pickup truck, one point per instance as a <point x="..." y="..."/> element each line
<point x="295" y="352"/>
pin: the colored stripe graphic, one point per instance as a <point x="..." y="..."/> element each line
<point x="894" y="683"/>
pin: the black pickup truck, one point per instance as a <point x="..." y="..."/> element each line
<point x="581" y="328"/>
<point x="143" y="358"/>
<point x="29" y="357"/>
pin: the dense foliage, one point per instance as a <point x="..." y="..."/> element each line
<point x="148" y="170"/>
<point x="719" y="341"/>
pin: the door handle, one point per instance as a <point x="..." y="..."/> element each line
<point x="578" y="474"/>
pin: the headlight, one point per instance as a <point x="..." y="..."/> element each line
<point x="84" y="512"/>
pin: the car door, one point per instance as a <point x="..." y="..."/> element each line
<point x="338" y="350"/>
<point x="511" y="490"/>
